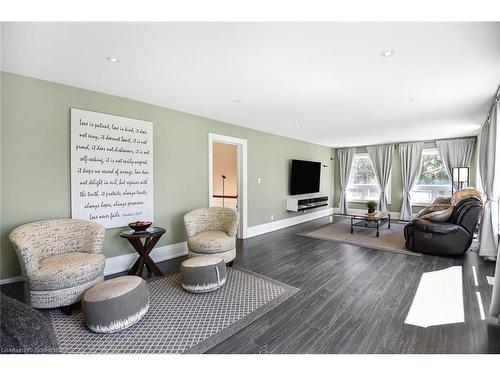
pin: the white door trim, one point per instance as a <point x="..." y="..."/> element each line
<point x="242" y="175"/>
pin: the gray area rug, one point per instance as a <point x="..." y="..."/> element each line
<point x="177" y="321"/>
<point x="392" y="240"/>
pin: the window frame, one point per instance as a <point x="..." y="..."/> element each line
<point x="425" y="204"/>
<point x="389" y="185"/>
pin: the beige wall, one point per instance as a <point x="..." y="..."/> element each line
<point x="225" y="162"/>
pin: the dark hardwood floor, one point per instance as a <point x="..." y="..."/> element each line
<point x="355" y="300"/>
<point x="351" y="299"/>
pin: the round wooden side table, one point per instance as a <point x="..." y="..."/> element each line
<point x="151" y="237"/>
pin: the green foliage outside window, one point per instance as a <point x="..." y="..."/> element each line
<point x="362" y="171"/>
<point x="432" y="172"/>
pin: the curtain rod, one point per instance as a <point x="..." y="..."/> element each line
<point x="397" y="143"/>
<point x="438" y="139"/>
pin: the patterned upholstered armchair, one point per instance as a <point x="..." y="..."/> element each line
<point x="60" y="259"/>
<point x="211" y="231"/>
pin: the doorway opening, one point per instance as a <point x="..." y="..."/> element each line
<point x="227" y="174"/>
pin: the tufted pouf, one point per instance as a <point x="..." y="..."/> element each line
<point x="203" y="274"/>
<point x="115" y="304"/>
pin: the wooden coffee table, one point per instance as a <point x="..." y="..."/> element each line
<point x="150" y="237"/>
<point x="374" y="221"/>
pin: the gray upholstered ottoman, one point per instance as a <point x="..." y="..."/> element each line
<point x="115" y="304"/>
<point x="203" y="274"/>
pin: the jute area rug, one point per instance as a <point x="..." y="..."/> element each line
<point x="340" y="231"/>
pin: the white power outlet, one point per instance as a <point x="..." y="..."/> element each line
<point x="272" y="217"/>
<point x="259" y="181"/>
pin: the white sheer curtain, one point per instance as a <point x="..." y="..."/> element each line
<point x="455" y="153"/>
<point x="346" y="156"/>
<point x="489" y="168"/>
<point x="381" y="157"/>
<point x="411" y="160"/>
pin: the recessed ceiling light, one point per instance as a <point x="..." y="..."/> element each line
<point x="387" y="53"/>
<point x="112" y="59"/>
<point x="296" y="123"/>
<point x="236" y="101"/>
<point x="413" y="99"/>
<point x="425" y="121"/>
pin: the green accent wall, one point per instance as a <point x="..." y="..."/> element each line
<point x="35" y="161"/>
<point x="396" y="185"/>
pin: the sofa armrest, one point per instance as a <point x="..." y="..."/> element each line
<point x="435" y="226"/>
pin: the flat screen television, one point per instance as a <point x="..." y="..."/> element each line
<point x="304" y="177"/>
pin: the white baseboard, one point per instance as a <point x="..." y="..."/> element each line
<point x="159" y="254"/>
<point x="280" y="224"/>
<point x="124" y="262"/>
<point x="11" y="280"/>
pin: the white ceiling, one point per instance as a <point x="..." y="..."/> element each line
<point x="328" y="77"/>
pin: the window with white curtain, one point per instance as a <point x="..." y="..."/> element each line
<point x="363" y="185"/>
<point x="432" y="181"/>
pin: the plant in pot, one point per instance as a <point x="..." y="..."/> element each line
<point x="371" y="206"/>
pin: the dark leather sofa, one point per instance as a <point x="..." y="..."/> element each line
<point x="451" y="238"/>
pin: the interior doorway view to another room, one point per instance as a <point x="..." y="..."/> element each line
<point x="227" y="175"/>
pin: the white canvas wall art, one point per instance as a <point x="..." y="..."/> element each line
<point x="111" y="168"/>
